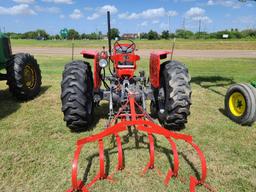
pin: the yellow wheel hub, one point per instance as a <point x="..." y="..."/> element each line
<point x="29" y="77"/>
<point x="237" y="104"/>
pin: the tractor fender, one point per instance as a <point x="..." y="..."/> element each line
<point x="154" y="66"/>
<point x="90" y="54"/>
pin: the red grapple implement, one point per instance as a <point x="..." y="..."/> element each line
<point x="142" y="122"/>
<point x="168" y="89"/>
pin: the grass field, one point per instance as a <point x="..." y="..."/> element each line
<point x="36" y="148"/>
<point x="146" y="44"/>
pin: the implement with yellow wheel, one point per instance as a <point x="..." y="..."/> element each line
<point x="240" y="103"/>
<point x="23" y="74"/>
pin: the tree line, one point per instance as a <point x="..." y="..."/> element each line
<point x="186" y="34"/>
<point x="41" y="34"/>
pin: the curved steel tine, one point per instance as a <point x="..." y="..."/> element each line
<point x="152" y="151"/>
<point x="75" y="183"/>
<point x="174" y="171"/>
<point x="120" y="165"/>
<point x="151" y="163"/>
<point x="203" y="163"/>
<point x="102" y="174"/>
<point x="193" y="183"/>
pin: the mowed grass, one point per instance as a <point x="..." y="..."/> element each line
<point x="37" y="148"/>
<point x="249" y="44"/>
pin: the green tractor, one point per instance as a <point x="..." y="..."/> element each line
<point x="23" y="74"/>
<point x="240" y="103"/>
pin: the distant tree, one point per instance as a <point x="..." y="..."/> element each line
<point x="249" y="33"/>
<point x="144" y="36"/>
<point x="186" y="34"/>
<point x="202" y="35"/>
<point x="235" y="34"/>
<point x="114" y="33"/>
<point x="29" y="35"/>
<point x="57" y="37"/>
<point x="100" y="35"/>
<point x="172" y="35"/>
<point x="14" y="35"/>
<point x="83" y="36"/>
<point x="153" y="35"/>
<point x="93" y="36"/>
<point x="165" y="34"/>
<point x="41" y="34"/>
<point x="73" y="34"/>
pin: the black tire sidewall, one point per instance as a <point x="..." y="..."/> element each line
<point x="168" y="68"/>
<point x="247" y="94"/>
<point x="15" y="74"/>
<point x="77" y="95"/>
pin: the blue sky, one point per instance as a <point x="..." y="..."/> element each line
<point x="129" y="16"/>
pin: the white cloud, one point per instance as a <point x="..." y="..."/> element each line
<point x="93" y="16"/>
<point x="172" y="13"/>
<point x="152" y="13"/>
<point x="88" y="8"/>
<point x="103" y="11"/>
<point x="155" y="22"/>
<point x="127" y="15"/>
<point x="247" y="20"/>
<point x="54" y="10"/>
<point x="144" y="24"/>
<point x="249" y="5"/>
<point x="77" y="14"/>
<point x="196" y="14"/>
<point x="60" y="1"/>
<point x="22" y="9"/>
<point x="105" y="8"/>
<point x="176" y="1"/>
<point x="164" y="26"/>
<point x="226" y="3"/>
<point x="24" y="1"/>
<point x="148" y="14"/>
<point x="210" y="2"/>
<point x="203" y="18"/>
<point x="62" y="16"/>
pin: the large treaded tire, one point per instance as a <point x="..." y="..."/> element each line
<point x="77" y="95"/>
<point x="16" y="76"/>
<point x="175" y="80"/>
<point x="248" y="94"/>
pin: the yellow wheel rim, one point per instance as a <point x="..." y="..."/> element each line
<point x="29" y="77"/>
<point x="237" y="104"/>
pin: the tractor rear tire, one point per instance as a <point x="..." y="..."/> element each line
<point x="23" y="76"/>
<point x="240" y="103"/>
<point x="175" y="81"/>
<point x="77" y="95"/>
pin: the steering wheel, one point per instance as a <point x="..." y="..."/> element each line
<point x="131" y="45"/>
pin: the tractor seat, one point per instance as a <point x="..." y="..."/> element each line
<point x="123" y="49"/>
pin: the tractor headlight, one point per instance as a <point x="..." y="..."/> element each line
<point x="103" y="63"/>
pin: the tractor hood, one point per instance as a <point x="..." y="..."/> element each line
<point x="5" y="49"/>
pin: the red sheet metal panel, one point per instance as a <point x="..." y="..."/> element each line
<point x="154" y="67"/>
<point x="91" y="54"/>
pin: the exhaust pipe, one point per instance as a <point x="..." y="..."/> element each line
<point x="109" y="34"/>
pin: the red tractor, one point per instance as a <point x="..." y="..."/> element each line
<point x="168" y="89"/>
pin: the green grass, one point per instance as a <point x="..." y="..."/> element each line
<point x="36" y="147"/>
<point x="147" y="44"/>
